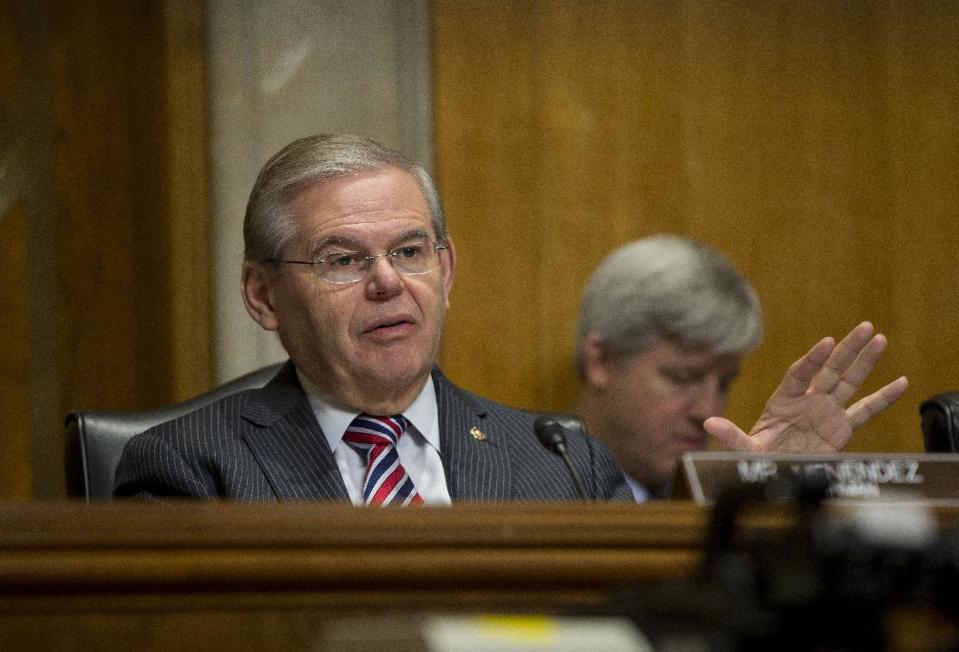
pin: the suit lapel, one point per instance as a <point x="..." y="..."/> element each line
<point x="288" y="444"/>
<point x="283" y="435"/>
<point x="474" y="453"/>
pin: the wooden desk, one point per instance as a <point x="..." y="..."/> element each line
<point x="239" y="576"/>
<point x="214" y="576"/>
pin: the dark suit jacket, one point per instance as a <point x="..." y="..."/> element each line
<point x="265" y="444"/>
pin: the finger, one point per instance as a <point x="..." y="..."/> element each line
<point x="866" y="408"/>
<point x="801" y="373"/>
<point x="728" y="434"/>
<point x="857" y="373"/>
<point x="842" y="357"/>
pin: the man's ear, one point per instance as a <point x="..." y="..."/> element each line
<point x="448" y="265"/>
<point x="596" y="363"/>
<point x="257" y="296"/>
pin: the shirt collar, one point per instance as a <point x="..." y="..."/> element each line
<point x="640" y="493"/>
<point x="333" y="420"/>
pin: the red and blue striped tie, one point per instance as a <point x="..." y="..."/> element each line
<point x="386" y="480"/>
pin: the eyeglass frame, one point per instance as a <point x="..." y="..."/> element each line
<point x="368" y="259"/>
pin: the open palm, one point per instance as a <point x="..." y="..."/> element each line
<point x="807" y="413"/>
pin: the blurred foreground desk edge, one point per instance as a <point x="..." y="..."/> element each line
<point x="266" y="576"/>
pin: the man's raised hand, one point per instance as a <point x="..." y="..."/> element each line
<point x="807" y="413"/>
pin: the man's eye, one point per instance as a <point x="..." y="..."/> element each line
<point x="343" y="260"/>
<point x="409" y="251"/>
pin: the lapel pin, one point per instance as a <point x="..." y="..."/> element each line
<point x="478" y="434"/>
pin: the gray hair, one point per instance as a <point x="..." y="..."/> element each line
<point x="268" y="225"/>
<point x="667" y="287"/>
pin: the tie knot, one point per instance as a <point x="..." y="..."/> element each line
<point x="368" y="430"/>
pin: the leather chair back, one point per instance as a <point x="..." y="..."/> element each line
<point x="940" y="423"/>
<point x="95" y="440"/>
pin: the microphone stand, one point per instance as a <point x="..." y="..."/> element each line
<point x="552" y="434"/>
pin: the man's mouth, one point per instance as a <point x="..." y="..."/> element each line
<point x="389" y="329"/>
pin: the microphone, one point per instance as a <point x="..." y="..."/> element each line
<point x="552" y="434"/>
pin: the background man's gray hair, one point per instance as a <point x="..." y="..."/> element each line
<point x="268" y="225"/>
<point x="667" y="287"/>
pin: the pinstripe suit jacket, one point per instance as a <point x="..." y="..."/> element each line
<point x="265" y="444"/>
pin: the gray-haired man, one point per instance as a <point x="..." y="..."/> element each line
<point x="664" y="325"/>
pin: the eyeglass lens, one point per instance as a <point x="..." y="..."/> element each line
<point x="409" y="259"/>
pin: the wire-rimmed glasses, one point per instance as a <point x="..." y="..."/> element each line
<point x="343" y="267"/>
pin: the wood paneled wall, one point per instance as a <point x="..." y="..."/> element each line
<point x="14" y="329"/>
<point x="815" y="143"/>
<point x="114" y="218"/>
<point x="130" y="163"/>
<point x="15" y="478"/>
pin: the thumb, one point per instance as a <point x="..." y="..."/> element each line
<point x="728" y="434"/>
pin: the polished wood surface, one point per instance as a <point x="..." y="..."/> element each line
<point x="133" y="236"/>
<point x="16" y="162"/>
<point x="15" y="479"/>
<point x="814" y="143"/>
<point x="102" y="109"/>
<point x="213" y="576"/>
<point x="206" y="576"/>
<point x="337" y="555"/>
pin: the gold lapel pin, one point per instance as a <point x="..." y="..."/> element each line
<point x="478" y="434"/>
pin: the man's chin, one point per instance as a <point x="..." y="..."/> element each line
<point x="399" y="376"/>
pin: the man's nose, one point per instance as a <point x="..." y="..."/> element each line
<point x="383" y="280"/>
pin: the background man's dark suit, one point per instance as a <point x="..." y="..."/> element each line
<point x="266" y="444"/>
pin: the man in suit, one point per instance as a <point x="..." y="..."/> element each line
<point x="663" y="327"/>
<point x="349" y="261"/>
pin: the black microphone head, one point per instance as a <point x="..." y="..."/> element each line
<point x="550" y="432"/>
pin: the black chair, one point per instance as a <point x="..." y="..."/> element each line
<point x="95" y="440"/>
<point x="940" y="423"/>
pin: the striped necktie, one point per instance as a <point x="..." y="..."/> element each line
<point x="386" y="480"/>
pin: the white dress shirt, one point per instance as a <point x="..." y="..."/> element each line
<point x="418" y="448"/>
<point x="640" y="493"/>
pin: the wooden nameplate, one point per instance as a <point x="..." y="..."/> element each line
<point x="929" y="478"/>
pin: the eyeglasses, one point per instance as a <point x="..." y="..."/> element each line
<point x="345" y="267"/>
